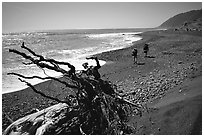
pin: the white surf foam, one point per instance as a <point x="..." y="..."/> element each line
<point x="76" y="57"/>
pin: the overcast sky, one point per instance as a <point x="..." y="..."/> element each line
<point x="45" y="16"/>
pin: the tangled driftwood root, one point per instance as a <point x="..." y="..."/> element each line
<point x="95" y="108"/>
<point x="103" y="115"/>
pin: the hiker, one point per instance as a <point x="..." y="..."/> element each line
<point x="92" y="70"/>
<point x="146" y="49"/>
<point x="134" y="54"/>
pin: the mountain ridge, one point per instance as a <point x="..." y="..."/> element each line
<point x="191" y="20"/>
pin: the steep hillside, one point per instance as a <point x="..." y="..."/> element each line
<point x="191" y="20"/>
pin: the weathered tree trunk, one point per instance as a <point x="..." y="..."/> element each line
<point x="46" y="121"/>
<point x="105" y="115"/>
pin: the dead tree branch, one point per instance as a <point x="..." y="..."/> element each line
<point x="49" y="78"/>
<point x="42" y="94"/>
<point x="138" y="106"/>
<point x="52" y="61"/>
<point x="99" y="109"/>
<point x="40" y="63"/>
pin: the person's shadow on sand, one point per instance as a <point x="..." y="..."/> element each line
<point x="140" y="63"/>
<point x="150" y="56"/>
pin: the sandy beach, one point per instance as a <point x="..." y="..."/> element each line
<point x="169" y="81"/>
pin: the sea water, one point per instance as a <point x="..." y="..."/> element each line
<point x="71" y="46"/>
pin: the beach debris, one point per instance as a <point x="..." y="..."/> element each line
<point x="94" y="108"/>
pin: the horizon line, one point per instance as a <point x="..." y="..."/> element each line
<point x="79" y="29"/>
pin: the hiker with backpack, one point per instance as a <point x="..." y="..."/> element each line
<point x="134" y="54"/>
<point x="146" y="49"/>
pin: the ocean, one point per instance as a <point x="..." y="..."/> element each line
<point x="71" y="46"/>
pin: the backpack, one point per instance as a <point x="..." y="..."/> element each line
<point x="134" y="52"/>
<point x="146" y="47"/>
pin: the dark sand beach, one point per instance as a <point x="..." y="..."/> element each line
<point x="169" y="81"/>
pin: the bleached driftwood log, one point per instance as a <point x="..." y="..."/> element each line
<point x="43" y="122"/>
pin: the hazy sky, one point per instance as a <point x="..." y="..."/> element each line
<point x="44" y="16"/>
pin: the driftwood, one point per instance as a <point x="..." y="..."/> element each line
<point x="38" y="123"/>
<point x="96" y="108"/>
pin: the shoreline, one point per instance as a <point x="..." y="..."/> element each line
<point x="42" y="81"/>
<point x="37" y="81"/>
<point x="127" y="76"/>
